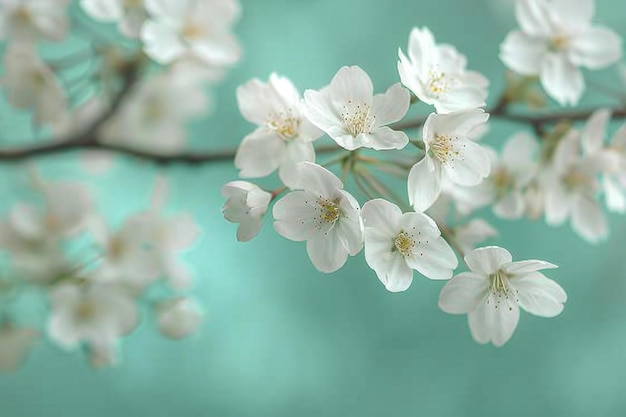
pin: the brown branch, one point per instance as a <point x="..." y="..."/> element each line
<point x="89" y="140"/>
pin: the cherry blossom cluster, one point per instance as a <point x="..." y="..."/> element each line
<point x="137" y="91"/>
<point x="192" y="42"/>
<point x="97" y="280"/>
<point x="560" y="171"/>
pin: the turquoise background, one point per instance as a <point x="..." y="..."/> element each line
<point x="280" y="338"/>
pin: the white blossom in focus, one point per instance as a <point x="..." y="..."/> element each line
<point x="15" y="343"/>
<point x="129" y="14"/>
<point x="397" y="243"/>
<point x="284" y="136"/>
<point x="153" y="118"/>
<point x="246" y="205"/>
<point x="97" y="315"/>
<point x="449" y="152"/>
<point x="323" y="214"/>
<point x="182" y="28"/>
<point x="492" y="293"/>
<point x="437" y="74"/>
<point x="556" y="37"/>
<point x="178" y="318"/>
<point x="33" y="20"/>
<point x="31" y="85"/>
<point x="349" y="112"/>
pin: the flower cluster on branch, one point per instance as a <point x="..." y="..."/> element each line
<point x="133" y="95"/>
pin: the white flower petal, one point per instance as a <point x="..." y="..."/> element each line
<point x="384" y="138"/>
<point x="539" y="295"/>
<point x="382" y="216"/>
<point x="592" y="136"/>
<point x="103" y="10"/>
<point x="392" y="105"/>
<point x="532" y="16"/>
<point x="424" y="184"/>
<point x="470" y="166"/>
<point x="596" y="48"/>
<point x="463" y="293"/>
<point x="522" y="53"/>
<point x="259" y="154"/>
<point x="561" y="79"/>
<point x="526" y="267"/>
<point x="161" y="42"/>
<point x="588" y="220"/>
<point x="487" y="260"/>
<point x="351" y="84"/>
<point x="316" y="179"/>
<point x="295" y="216"/>
<point x="326" y="252"/>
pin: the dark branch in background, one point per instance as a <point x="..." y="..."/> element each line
<point x="88" y="139"/>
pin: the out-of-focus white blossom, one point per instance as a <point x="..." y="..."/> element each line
<point x="15" y="343"/>
<point x="349" y="112"/>
<point x="476" y="231"/>
<point x="556" y="37"/>
<point x="246" y="205"/>
<point x="154" y="116"/>
<point x="450" y="152"/>
<point x="492" y="293"/>
<point x="182" y="28"/>
<point x="284" y="136"/>
<point x="33" y="234"/>
<point x="178" y="318"/>
<point x="97" y="315"/>
<point x="571" y="185"/>
<point x="33" y="20"/>
<point x="397" y="243"/>
<point x="437" y="74"/>
<point x="129" y="14"/>
<point x="31" y="85"/>
<point x="323" y="214"/>
<point x="510" y="173"/>
<point x="124" y="258"/>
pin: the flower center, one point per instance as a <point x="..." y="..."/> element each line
<point x="356" y="118"/>
<point x="285" y="124"/>
<point x="192" y="31"/>
<point x="499" y="290"/>
<point x="559" y="42"/>
<point x="502" y="179"/>
<point x="329" y="210"/>
<point x="577" y="179"/>
<point x="438" y="83"/>
<point x="116" y="248"/>
<point x="86" y="311"/>
<point x="133" y="4"/>
<point x="22" y="15"/>
<point x="404" y="243"/>
<point x="443" y="148"/>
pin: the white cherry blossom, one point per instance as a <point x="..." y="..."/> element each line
<point x="349" y="112"/>
<point x="555" y="38"/>
<point x="397" y="243"/>
<point x="154" y="116"/>
<point x="437" y="74"/>
<point x="284" y="136"/>
<point x="31" y="85"/>
<point x="97" y="315"/>
<point x="183" y="28"/>
<point x="246" y="205"/>
<point x="475" y="231"/>
<point x="492" y="293"/>
<point x="124" y="258"/>
<point x="450" y="153"/>
<point x="178" y="318"/>
<point x="129" y="14"/>
<point x="321" y="213"/>
<point x="510" y="173"/>
<point x="570" y="186"/>
<point x="33" y="20"/>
